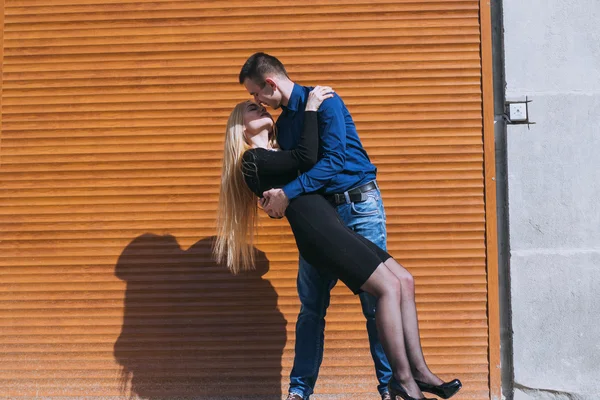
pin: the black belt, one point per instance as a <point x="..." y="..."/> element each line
<point x="355" y="195"/>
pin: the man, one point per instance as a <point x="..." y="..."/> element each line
<point x="345" y="175"/>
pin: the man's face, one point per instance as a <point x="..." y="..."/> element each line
<point x="269" y="94"/>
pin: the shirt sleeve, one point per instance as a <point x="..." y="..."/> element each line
<point x="256" y="162"/>
<point x="333" y="144"/>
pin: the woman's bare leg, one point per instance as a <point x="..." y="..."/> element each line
<point x="410" y="325"/>
<point x="384" y="285"/>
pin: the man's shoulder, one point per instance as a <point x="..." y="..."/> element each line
<point x="332" y="104"/>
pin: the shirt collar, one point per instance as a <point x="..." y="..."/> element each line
<point x="297" y="97"/>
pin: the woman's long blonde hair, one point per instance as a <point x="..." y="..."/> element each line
<point x="237" y="210"/>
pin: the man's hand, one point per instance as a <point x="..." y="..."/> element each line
<point x="275" y="202"/>
<point x="262" y="202"/>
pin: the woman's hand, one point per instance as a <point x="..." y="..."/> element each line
<point x="317" y="96"/>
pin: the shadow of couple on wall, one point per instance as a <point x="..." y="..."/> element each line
<point x="193" y="330"/>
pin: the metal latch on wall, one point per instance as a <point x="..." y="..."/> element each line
<point x="517" y="112"/>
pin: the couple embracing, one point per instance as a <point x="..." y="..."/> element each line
<point x="311" y="167"/>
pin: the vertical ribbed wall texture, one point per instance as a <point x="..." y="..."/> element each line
<point x="113" y="115"/>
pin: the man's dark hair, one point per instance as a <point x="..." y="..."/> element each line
<point x="260" y="65"/>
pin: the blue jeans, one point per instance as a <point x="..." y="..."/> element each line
<point x="367" y="218"/>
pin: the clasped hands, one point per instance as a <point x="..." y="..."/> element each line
<point x="274" y="202"/>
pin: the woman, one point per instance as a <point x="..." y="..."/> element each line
<point x="253" y="164"/>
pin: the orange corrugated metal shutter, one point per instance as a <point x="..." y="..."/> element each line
<point x="113" y="116"/>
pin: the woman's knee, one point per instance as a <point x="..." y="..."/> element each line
<point x="392" y="287"/>
<point x="383" y="283"/>
<point x="406" y="279"/>
<point x="408" y="283"/>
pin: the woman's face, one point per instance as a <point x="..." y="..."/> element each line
<point x="256" y="120"/>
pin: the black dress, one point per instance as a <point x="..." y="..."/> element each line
<point x="322" y="238"/>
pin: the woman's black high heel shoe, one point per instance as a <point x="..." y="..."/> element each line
<point x="445" y="390"/>
<point x="396" y="389"/>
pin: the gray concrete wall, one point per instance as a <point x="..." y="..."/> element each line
<point x="552" y="55"/>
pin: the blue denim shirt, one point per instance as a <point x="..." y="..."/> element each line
<point x="343" y="162"/>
